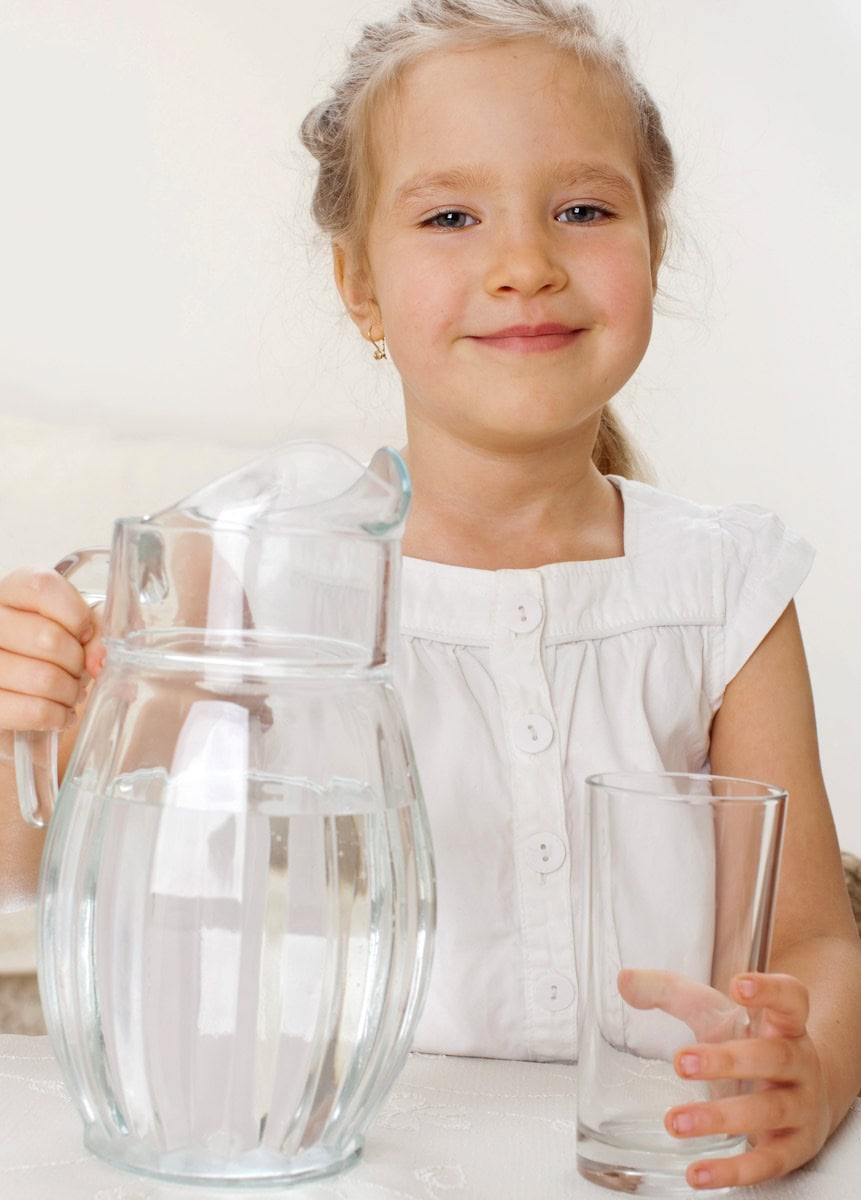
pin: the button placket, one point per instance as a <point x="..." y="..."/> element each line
<point x="541" y="855"/>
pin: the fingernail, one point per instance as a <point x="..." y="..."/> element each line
<point x="747" y="988"/>
<point x="689" y="1064"/>
<point x="702" y="1177"/>
<point x="683" y="1122"/>
<point x="71" y="719"/>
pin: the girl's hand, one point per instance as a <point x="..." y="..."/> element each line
<point x="49" y="647"/>
<point x="786" y="1116"/>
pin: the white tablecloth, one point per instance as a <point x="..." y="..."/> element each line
<point x="453" y="1129"/>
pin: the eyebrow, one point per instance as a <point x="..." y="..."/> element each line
<point x="452" y="180"/>
<point x="598" y="174"/>
<point x="576" y="175"/>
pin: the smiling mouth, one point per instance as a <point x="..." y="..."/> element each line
<point x="531" y="339"/>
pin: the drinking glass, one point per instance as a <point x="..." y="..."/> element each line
<point x="681" y="880"/>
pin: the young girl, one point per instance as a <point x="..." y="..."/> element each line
<point x="494" y="182"/>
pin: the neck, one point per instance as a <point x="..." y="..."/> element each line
<point x="492" y="508"/>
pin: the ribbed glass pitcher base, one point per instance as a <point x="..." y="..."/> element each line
<point x="257" y="1168"/>
<point x="231" y="986"/>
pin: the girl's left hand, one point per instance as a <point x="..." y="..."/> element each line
<point x="786" y="1116"/>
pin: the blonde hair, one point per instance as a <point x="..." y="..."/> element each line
<point x="337" y="131"/>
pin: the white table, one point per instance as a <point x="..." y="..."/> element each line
<point x="453" y="1129"/>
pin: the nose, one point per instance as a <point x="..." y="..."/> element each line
<point x="525" y="262"/>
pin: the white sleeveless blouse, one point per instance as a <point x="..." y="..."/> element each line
<point x="518" y="684"/>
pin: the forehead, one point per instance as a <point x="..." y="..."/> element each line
<point x="501" y="107"/>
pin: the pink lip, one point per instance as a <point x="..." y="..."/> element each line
<point x="526" y="339"/>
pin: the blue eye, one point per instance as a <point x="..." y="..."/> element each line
<point x="450" y="218"/>
<point x="583" y="214"/>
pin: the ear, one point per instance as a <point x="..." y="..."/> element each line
<point x="352" y="279"/>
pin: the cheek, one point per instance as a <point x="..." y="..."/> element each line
<point x="417" y="308"/>
<point x="422" y="287"/>
<point x="624" y="281"/>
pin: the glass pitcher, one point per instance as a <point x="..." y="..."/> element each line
<point x="236" y="904"/>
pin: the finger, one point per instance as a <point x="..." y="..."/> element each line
<point x="48" y="594"/>
<point x="31" y="636"/>
<point x="755" y="1113"/>
<point x="776" y="1059"/>
<point x="34" y="713"/>
<point x="692" y="1002"/>
<point x="784" y="999"/>
<point x="660" y="989"/>
<point x="37" y="678"/>
<point x="94" y="653"/>
<point x="770" y="1158"/>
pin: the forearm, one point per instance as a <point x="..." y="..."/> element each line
<point x="830" y="968"/>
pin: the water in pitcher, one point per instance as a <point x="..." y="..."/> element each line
<point x="235" y="955"/>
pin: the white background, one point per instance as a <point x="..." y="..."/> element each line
<point x="167" y="308"/>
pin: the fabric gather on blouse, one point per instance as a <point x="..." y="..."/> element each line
<point x="518" y="684"/>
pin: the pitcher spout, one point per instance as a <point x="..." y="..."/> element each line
<point x="305" y="487"/>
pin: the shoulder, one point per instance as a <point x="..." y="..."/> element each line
<point x="645" y="503"/>
<point x="754" y="562"/>
<point x="745" y="532"/>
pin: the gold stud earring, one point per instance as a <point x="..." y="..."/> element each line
<point x="379" y="345"/>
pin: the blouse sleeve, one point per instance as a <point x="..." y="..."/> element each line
<point x="764" y="565"/>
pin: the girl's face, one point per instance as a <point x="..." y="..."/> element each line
<point x="508" y="257"/>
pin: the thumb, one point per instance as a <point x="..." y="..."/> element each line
<point x="94" y="646"/>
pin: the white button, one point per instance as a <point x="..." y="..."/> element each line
<point x="554" y="993"/>
<point x="545" y="852"/>
<point x="532" y="733"/>
<point x="523" y="613"/>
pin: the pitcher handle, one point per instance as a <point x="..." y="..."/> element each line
<point x="36" y="775"/>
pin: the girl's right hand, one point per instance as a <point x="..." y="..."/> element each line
<point x="50" y="646"/>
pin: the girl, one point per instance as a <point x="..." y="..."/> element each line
<point x="494" y="182"/>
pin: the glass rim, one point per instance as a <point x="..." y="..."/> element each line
<point x="637" y="783"/>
